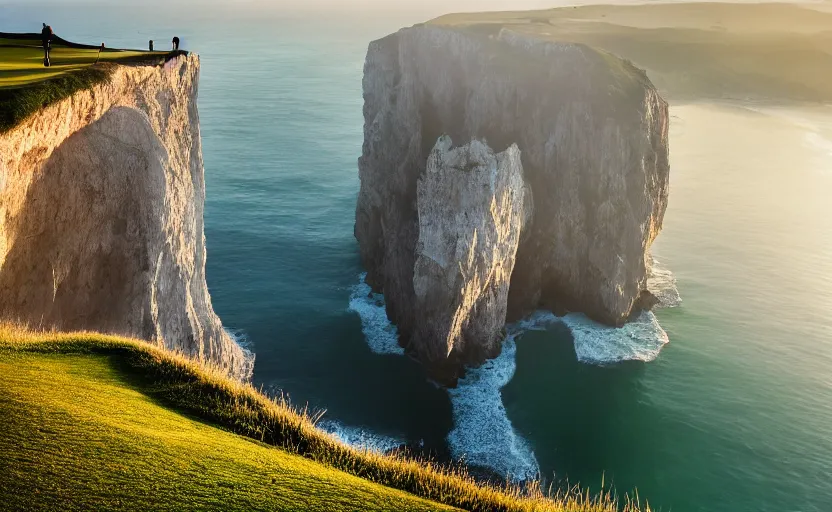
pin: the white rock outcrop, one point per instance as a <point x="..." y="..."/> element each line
<point x="472" y="207"/>
<point x="101" y="216"/>
<point x="592" y="132"/>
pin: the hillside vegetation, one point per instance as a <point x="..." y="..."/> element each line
<point x="751" y="51"/>
<point x="77" y="437"/>
<point x="95" y="422"/>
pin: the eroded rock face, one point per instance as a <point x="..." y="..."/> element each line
<point x="592" y="132"/>
<point x="472" y="207"/>
<point x="102" y="216"/>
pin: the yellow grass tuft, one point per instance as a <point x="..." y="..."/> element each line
<point x="206" y="392"/>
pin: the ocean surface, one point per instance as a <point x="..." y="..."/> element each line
<point x="733" y="414"/>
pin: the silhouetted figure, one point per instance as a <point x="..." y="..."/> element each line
<point x="46" y="39"/>
<point x="100" y="49"/>
<point x="150" y="44"/>
<point x="175" y="43"/>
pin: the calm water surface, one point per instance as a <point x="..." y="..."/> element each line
<point x="734" y="415"/>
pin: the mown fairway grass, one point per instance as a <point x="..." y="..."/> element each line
<point x="26" y="86"/>
<point x="90" y="422"/>
<point x="21" y="61"/>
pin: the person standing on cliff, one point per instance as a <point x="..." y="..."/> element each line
<point x="46" y="39"/>
<point x="175" y="43"/>
<point x="100" y="49"/>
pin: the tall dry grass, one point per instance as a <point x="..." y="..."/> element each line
<point x="208" y="393"/>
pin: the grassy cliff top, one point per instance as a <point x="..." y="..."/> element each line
<point x="21" y="59"/>
<point x="91" y="422"/>
<point x="26" y="85"/>
<point x="777" y="52"/>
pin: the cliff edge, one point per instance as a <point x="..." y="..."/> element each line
<point x="591" y="132"/>
<point x="101" y="216"/>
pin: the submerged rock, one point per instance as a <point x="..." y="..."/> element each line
<point x="472" y="206"/>
<point x="592" y="133"/>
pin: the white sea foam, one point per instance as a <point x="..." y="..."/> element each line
<point x="639" y="340"/>
<point x="247" y="346"/>
<point x="482" y="433"/>
<point x="662" y="284"/>
<point x="537" y="321"/>
<point x="381" y="335"/>
<point x="241" y="338"/>
<point x="360" y="438"/>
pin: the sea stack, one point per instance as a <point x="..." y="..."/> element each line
<point x="472" y="207"/>
<point x="566" y="144"/>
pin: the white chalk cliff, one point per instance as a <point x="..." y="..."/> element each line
<point x="101" y="216"/>
<point x="592" y="137"/>
<point x="472" y="207"/>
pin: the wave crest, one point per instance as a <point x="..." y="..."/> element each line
<point x="381" y="335"/>
<point x="639" y="340"/>
<point x="482" y="434"/>
<point x="662" y="284"/>
<point x="359" y="437"/>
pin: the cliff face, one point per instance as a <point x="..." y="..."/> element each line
<point x="592" y="133"/>
<point x="472" y="207"/>
<point x="102" y="199"/>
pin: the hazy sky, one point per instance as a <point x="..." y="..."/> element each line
<point x="362" y="5"/>
<point x="358" y="5"/>
<point x="409" y="11"/>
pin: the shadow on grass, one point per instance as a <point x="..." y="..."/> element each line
<point x="134" y="377"/>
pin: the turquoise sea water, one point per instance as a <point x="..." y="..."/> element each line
<point x="735" y="413"/>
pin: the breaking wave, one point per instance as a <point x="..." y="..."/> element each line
<point x="639" y="340"/>
<point x="381" y="335"/>
<point x="360" y="438"/>
<point x="246" y="371"/>
<point x="240" y="338"/>
<point x="482" y="434"/>
<point x="662" y="284"/>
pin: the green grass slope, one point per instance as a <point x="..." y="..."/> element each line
<point x="26" y="86"/>
<point x="752" y="51"/>
<point x="76" y="434"/>
<point x="92" y="422"/>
